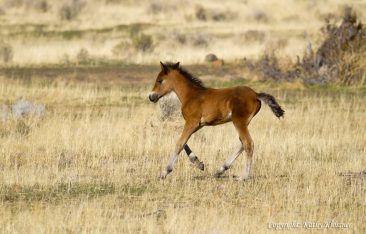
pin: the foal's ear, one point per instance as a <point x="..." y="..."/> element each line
<point x="164" y="67"/>
<point x="176" y="66"/>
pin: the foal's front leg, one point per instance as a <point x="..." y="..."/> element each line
<point x="193" y="158"/>
<point x="189" y="129"/>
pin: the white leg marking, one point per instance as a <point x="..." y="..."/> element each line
<point x="192" y="157"/>
<point x="172" y="161"/>
<point x="248" y="165"/>
<point x="247" y="170"/>
<point x="231" y="159"/>
<point x="228" y="117"/>
<point x="169" y="167"/>
<point x="196" y="162"/>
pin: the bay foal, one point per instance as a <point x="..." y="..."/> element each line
<point x="202" y="106"/>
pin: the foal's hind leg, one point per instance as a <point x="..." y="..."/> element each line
<point x="193" y="158"/>
<point x="248" y="147"/>
<point x="241" y="122"/>
<point x="230" y="160"/>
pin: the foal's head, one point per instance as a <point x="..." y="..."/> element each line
<point x="164" y="83"/>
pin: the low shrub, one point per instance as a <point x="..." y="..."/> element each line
<point x="6" y="52"/>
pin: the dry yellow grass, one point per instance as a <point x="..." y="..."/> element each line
<point x="42" y="37"/>
<point x="91" y="165"/>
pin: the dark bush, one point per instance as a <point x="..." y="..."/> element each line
<point x="340" y="58"/>
<point x="200" y="13"/>
<point x="254" y="35"/>
<point x="6" y="52"/>
<point x="261" y="16"/>
<point x="83" y="57"/>
<point x="121" y="49"/>
<point x="181" y="38"/>
<point x="71" y="9"/>
<point x="14" y="3"/>
<point x="211" y="58"/>
<point x="142" y="42"/>
<point x="155" y="8"/>
<point x="42" y="6"/>
<point x="204" y="14"/>
<point x="199" y="41"/>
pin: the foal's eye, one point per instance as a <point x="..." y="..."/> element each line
<point x="160" y="81"/>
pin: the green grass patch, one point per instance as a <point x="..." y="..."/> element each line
<point x="133" y="190"/>
<point x="47" y="31"/>
<point x="62" y="191"/>
<point x="15" y="193"/>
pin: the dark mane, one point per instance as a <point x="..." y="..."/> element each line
<point x="193" y="79"/>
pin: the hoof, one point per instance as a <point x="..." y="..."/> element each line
<point x="163" y="175"/>
<point x="218" y="174"/>
<point x="243" y="178"/>
<point x="220" y="171"/>
<point x="197" y="163"/>
<point x="200" y="165"/>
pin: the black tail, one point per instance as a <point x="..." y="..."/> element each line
<point x="271" y="102"/>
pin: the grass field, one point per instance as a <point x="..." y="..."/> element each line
<point x="91" y="163"/>
<point x="91" y="32"/>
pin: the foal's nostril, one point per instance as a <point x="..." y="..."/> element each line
<point x="153" y="97"/>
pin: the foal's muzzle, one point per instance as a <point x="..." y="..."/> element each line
<point x="153" y="97"/>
